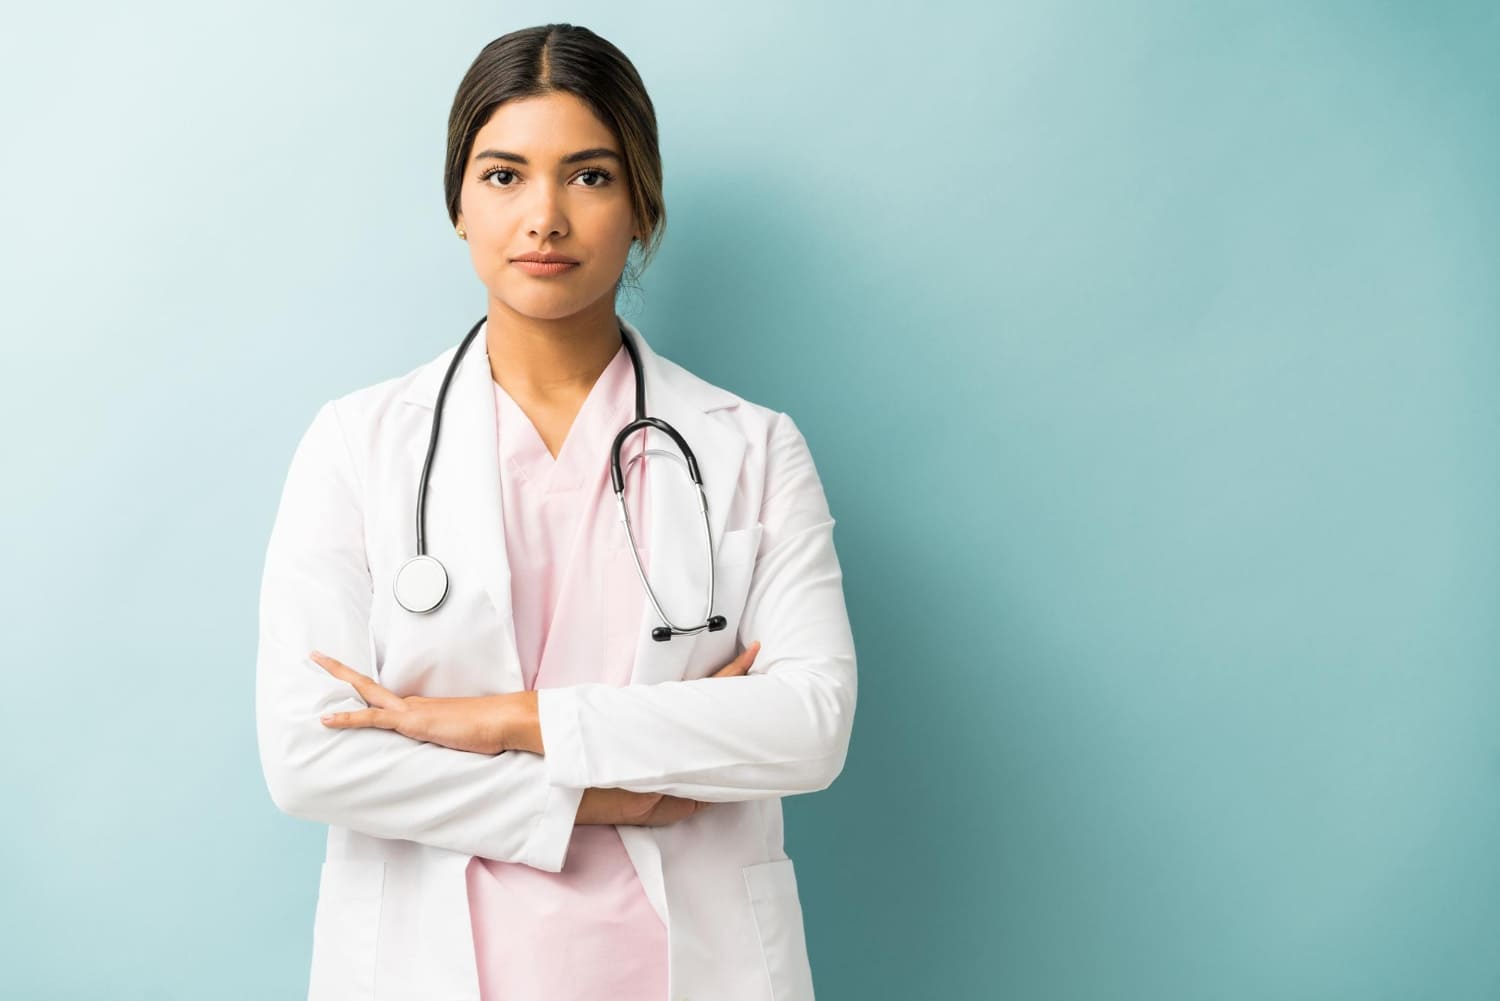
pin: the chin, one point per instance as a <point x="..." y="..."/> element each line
<point x="547" y="307"/>
<point x="554" y="303"/>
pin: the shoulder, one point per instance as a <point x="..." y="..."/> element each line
<point x="375" y="398"/>
<point x="758" y="423"/>
<point x="781" y="451"/>
<point x="363" y="412"/>
<point x="345" y="430"/>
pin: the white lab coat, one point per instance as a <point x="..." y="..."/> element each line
<point x="392" y="921"/>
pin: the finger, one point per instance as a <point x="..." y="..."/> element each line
<point x="687" y="807"/>
<point x="358" y="718"/>
<point x="337" y="668"/>
<point x="368" y="688"/>
<point x="746" y="657"/>
<point x="636" y="807"/>
<point x="741" y="664"/>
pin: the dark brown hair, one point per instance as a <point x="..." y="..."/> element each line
<point x="563" y="57"/>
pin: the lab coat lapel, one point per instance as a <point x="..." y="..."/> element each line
<point x="678" y="569"/>
<point x="465" y="521"/>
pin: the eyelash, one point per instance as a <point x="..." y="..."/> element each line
<point x="608" y="177"/>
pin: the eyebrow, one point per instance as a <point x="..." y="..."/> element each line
<point x="596" y="153"/>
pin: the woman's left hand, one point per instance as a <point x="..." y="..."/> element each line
<point x="476" y="723"/>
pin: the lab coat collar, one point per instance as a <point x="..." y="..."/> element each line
<point x="464" y="498"/>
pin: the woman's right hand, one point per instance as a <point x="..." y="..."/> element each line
<point x="651" y="809"/>
<point x="621" y="806"/>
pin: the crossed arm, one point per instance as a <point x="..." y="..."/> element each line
<point x="781" y="729"/>
<point x="484" y="724"/>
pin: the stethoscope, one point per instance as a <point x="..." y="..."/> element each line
<point x="422" y="582"/>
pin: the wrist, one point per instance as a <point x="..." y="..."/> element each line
<point x="521" y="730"/>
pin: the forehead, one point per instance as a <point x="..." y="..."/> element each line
<point x="545" y="127"/>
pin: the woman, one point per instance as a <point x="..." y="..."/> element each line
<point x="530" y="796"/>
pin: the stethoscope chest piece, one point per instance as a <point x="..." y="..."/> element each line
<point x="421" y="584"/>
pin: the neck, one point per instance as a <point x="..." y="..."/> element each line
<point x="541" y="359"/>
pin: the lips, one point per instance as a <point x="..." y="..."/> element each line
<point x="548" y="258"/>
<point x="544" y="269"/>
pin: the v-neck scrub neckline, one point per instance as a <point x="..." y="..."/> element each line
<point x="523" y="451"/>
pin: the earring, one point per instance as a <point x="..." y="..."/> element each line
<point x="461" y="234"/>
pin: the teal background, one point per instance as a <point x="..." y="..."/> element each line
<point x="1148" y="354"/>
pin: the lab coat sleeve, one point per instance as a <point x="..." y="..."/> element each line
<point x="783" y="728"/>
<point x="316" y="595"/>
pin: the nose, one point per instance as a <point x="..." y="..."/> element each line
<point x="547" y="218"/>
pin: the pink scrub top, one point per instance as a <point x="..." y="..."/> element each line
<point x="589" y="931"/>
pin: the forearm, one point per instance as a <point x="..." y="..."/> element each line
<point x="386" y="784"/>
<point x="712" y="739"/>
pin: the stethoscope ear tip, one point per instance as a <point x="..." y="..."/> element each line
<point x="664" y="633"/>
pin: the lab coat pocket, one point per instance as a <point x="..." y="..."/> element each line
<point x="738" y="547"/>
<point x="772" y="890"/>
<point x="345" y="930"/>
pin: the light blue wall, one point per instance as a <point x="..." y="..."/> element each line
<point x="1148" y="353"/>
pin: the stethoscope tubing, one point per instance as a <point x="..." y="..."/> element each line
<point x="436" y="575"/>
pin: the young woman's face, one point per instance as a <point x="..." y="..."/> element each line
<point x="549" y="203"/>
